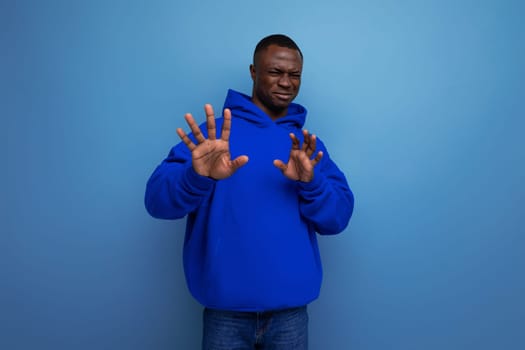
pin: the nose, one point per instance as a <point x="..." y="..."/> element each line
<point x="284" y="81"/>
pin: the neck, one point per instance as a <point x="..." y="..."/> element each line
<point x="273" y="114"/>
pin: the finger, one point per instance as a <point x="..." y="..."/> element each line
<point x="239" y="162"/>
<point x="312" y="144"/>
<point x="226" y="125"/>
<point x="306" y="140"/>
<point x="210" y="122"/>
<point x="295" y="141"/>
<point x="317" y="158"/>
<point x="187" y="141"/>
<point x="194" y="128"/>
<point x="279" y="164"/>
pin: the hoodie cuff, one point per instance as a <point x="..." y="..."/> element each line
<point x="198" y="183"/>
<point x="315" y="184"/>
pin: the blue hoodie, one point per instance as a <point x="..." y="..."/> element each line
<point x="251" y="241"/>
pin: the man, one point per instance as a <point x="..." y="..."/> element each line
<point x="250" y="251"/>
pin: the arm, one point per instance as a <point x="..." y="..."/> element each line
<point x="188" y="175"/>
<point x="326" y="201"/>
<point x="175" y="189"/>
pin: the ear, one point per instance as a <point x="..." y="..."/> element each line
<point x="252" y="72"/>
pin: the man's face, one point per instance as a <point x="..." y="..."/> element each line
<point x="276" y="75"/>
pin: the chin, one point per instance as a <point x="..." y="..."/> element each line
<point x="280" y="107"/>
<point x="280" y="104"/>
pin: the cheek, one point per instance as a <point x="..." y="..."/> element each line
<point x="266" y="85"/>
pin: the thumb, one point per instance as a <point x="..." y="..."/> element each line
<point x="279" y="164"/>
<point x="239" y="162"/>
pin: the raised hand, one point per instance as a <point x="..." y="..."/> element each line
<point x="211" y="157"/>
<point x="300" y="166"/>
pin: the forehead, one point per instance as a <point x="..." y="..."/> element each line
<point x="274" y="54"/>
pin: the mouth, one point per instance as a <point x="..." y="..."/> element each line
<point x="283" y="95"/>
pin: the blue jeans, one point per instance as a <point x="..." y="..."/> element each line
<point x="276" y="330"/>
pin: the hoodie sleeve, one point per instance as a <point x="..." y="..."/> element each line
<point x="327" y="201"/>
<point x="175" y="189"/>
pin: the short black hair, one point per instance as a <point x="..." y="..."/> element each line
<point x="276" y="39"/>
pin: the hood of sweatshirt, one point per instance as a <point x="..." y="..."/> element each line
<point x="241" y="106"/>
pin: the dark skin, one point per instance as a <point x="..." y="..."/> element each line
<point x="211" y="157"/>
<point x="276" y="75"/>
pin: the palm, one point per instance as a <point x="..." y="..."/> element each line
<point x="300" y="166"/>
<point x="211" y="157"/>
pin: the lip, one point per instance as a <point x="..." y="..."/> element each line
<point x="282" y="96"/>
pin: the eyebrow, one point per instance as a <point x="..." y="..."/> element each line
<point x="295" y="71"/>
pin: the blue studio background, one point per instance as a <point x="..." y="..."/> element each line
<point x="421" y="103"/>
